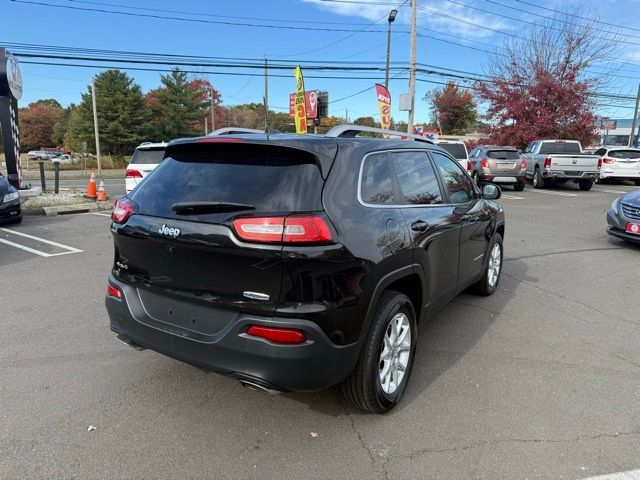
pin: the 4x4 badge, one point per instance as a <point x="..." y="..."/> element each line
<point x="169" y="231"/>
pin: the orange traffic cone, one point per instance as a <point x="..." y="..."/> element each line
<point x="102" y="195"/>
<point x="91" y="189"/>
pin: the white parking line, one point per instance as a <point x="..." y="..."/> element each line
<point x="551" y="192"/>
<point x="628" y="475"/>
<point x="512" y="197"/>
<point x="598" y="189"/>
<point x="33" y="250"/>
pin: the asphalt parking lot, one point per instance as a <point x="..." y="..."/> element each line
<point x="539" y="381"/>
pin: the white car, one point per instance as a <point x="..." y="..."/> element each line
<point x="62" y="159"/>
<point x="145" y="158"/>
<point x="457" y="150"/>
<point x="619" y="162"/>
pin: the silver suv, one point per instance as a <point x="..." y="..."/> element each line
<point x="500" y="165"/>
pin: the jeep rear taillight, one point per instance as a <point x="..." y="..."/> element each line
<point x="547" y="162"/>
<point x="284" y="336"/>
<point x="122" y="210"/>
<point x="132" y="173"/>
<point x="292" y="229"/>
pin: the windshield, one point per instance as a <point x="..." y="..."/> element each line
<point x="271" y="180"/>
<point x="624" y="154"/>
<point x="148" y="156"/>
<point x="457" y="150"/>
<point x="562" y="148"/>
<point x="503" y="154"/>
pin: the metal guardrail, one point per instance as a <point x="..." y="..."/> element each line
<point x="352" y="131"/>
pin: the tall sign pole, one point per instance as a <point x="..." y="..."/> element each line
<point x="10" y="93"/>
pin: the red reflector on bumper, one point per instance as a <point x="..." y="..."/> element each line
<point x="277" y="335"/>
<point x="113" y="291"/>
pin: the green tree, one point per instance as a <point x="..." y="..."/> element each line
<point x="61" y="124"/>
<point x="453" y="109"/>
<point x="123" y="119"/>
<point x="177" y="106"/>
<point x="49" y="102"/>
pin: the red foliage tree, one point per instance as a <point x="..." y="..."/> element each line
<point x="453" y="109"/>
<point x="37" y="122"/>
<point x="544" y="105"/>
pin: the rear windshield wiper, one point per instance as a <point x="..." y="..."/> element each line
<point x="193" y="208"/>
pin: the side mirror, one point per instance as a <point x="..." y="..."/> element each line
<point x="491" y="191"/>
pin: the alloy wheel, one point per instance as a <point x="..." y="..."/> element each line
<point x="396" y="350"/>
<point x="495" y="263"/>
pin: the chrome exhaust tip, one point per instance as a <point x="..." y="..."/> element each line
<point x="129" y="343"/>
<point x="260" y="388"/>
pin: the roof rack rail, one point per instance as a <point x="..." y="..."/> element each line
<point x="236" y="131"/>
<point x="351" y="131"/>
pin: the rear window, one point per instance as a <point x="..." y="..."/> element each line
<point x="148" y="156"/>
<point x="503" y="154"/>
<point x="456" y="150"/>
<point x="564" y="148"/>
<point x="624" y="154"/>
<point x="272" y="179"/>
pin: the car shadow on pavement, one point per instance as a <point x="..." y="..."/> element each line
<point x="443" y="340"/>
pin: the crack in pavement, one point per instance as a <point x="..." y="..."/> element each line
<point x="355" y="429"/>
<point x="510" y="259"/>
<point x="563" y="297"/>
<point x="491" y="443"/>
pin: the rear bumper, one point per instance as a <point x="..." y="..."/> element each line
<point x="10" y="211"/>
<point x="582" y="175"/>
<point x="630" y="174"/>
<point x="314" y="365"/>
<point x="504" y="178"/>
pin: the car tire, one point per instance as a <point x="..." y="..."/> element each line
<point x="490" y="280"/>
<point x="364" y="388"/>
<point x="538" y="181"/>
<point x="518" y="187"/>
<point x="585" y="184"/>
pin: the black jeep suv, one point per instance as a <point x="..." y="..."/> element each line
<point x="295" y="263"/>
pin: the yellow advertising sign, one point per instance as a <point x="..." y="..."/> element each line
<point x="300" y="108"/>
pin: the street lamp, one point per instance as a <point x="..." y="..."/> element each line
<point x="392" y="17"/>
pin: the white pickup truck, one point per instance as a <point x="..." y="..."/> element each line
<point x="558" y="161"/>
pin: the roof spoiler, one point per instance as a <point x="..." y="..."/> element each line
<point x="352" y="131"/>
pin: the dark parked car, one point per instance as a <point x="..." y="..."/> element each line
<point x="295" y="263"/>
<point x="623" y="217"/>
<point x="501" y="165"/>
<point x="10" y="211"/>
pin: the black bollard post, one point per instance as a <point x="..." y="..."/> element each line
<point x="42" y="181"/>
<point x="56" y="169"/>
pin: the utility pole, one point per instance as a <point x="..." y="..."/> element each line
<point x="206" y="125"/>
<point x="635" y="119"/>
<point x="95" y="126"/>
<point x="213" y="112"/>
<point x="412" y="67"/>
<point x="266" y="94"/>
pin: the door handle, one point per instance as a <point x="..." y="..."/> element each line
<point x="419" y="226"/>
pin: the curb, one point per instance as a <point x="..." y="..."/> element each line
<point x="62" y="209"/>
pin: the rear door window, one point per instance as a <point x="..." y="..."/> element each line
<point x="456" y="181"/>
<point x="376" y="186"/>
<point x="503" y="154"/>
<point x="271" y="179"/>
<point x="148" y="156"/>
<point x="416" y="178"/>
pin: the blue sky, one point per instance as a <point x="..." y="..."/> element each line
<point x="446" y="42"/>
